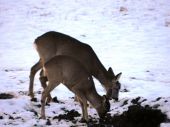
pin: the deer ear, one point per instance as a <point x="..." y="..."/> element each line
<point x="117" y="77"/>
<point x="110" y="70"/>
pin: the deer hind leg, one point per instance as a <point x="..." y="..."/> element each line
<point x="45" y="94"/>
<point x="33" y="71"/>
<point x="76" y="98"/>
<point x="43" y="79"/>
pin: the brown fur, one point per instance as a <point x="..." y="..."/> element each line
<point x="70" y="72"/>
<point x="52" y="44"/>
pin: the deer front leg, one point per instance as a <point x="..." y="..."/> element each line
<point x="45" y="94"/>
<point x="43" y="99"/>
<point x="83" y="104"/>
<point x="33" y="71"/>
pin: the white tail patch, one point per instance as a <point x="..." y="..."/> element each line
<point x="35" y="46"/>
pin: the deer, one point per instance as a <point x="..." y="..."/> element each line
<point x="71" y="73"/>
<point x="53" y="43"/>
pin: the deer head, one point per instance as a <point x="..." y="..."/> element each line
<point x="104" y="107"/>
<point x="113" y="86"/>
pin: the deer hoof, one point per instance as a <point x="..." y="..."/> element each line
<point x="31" y="94"/>
<point x="34" y="99"/>
<point x="83" y="120"/>
<point x="42" y="117"/>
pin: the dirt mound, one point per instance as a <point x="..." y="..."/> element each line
<point x="68" y="116"/>
<point x="136" y="116"/>
<point x="6" y="96"/>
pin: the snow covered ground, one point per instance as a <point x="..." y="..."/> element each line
<point x="130" y="36"/>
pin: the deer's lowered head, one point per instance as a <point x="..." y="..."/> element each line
<point x="113" y="85"/>
<point x="104" y="107"/>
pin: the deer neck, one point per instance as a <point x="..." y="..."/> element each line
<point x="94" y="98"/>
<point x="101" y="74"/>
